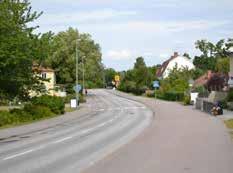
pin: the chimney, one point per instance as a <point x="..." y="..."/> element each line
<point x="176" y="54"/>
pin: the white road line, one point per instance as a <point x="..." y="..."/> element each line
<point x="62" y="140"/>
<point x="100" y="110"/>
<point x="19" y="154"/>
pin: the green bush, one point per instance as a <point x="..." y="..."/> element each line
<point x="187" y="100"/>
<point x="20" y="115"/>
<point x="55" y="104"/>
<point x="223" y="104"/>
<point x="37" y="111"/>
<point x="170" y="96"/>
<point x="202" y="91"/>
<point x="230" y="96"/>
<point x="7" y="118"/>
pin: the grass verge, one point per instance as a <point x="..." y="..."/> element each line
<point x="229" y="123"/>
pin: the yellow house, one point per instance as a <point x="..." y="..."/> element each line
<point x="50" y="84"/>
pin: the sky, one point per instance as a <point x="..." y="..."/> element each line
<point x="127" y="29"/>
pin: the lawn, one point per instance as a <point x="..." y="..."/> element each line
<point x="229" y="123"/>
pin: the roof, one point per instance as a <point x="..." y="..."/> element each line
<point x="42" y="69"/>
<point x="211" y="79"/>
<point x="163" y="67"/>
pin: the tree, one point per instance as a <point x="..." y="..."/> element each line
<point x="141" y="72"/>
<point x="138" y="79"/>
<point x="17" y="45"/>
<point x="213" y="56"/>
<point x="109" y="75"/>
<point x="63" y="58"/>
<point x="223" y="65"/>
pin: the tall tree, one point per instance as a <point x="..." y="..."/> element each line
<point x="17" y="48"/>
<point x="63" y="58"/>
<point x="141" y="72"/>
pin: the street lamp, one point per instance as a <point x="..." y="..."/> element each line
<point x="76" y="71"/>
<point x="83" y="73"/>
<point x="230" y="54"/>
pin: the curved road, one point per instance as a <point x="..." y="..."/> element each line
<point x="77" y="144"/>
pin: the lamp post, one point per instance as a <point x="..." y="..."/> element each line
<point x="76" y="70"/>
<point x="83" y="74"/>
<point x="230" y="54"/>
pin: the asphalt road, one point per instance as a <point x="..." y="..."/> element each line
<point x="77" y="144"/>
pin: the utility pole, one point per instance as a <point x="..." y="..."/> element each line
<point x="76" y="87"/>
<point x="83" y="74"/>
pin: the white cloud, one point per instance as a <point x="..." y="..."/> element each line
<point x="162" y="26"/>
<point x="82" y="17"/>
<point x="119" y="54"/>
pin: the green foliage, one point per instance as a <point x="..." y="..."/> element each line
<point x="170" y="95"/>
<point x="37" y="111"/>
<point x="223" y="65"/>
<point x="187" y="100"/>
<point x="109" y="74"/>
<point x="223" y="104"/>
<point x="63" y="58"/>
<point x="20" y="115"/>
<point x="17" y="49"/>
<point x="213" y="56"/>
<point x="7" y="118"/>
<point x="175" y="85"/>
<point x="138" y="79"/>
<point x="202" y="91"/>
<point x="27" y="114"/>
<point x="56" y="104"/>
<point x="230" y="96"/>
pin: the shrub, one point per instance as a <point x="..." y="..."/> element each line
<point x="37" y="111"/>
<point x="55" y="104"/>
<point x="230" y="96"/>
<point x="7" y="118"/>
<point x="20" y="115"/>
<point x="223" y="104"/>
<point x="187" y="100"/>
<point x="202" y="91"/>
<point x="170" y="96"/>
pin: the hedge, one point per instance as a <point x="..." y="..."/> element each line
<point x="55" y="104"/>
<point x="27" y="114"/>
<point x="170" y="96"/>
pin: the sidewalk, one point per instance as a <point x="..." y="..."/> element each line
<point x="179" y="140"/>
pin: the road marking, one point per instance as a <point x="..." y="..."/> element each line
<point x="19" y="154"/>
<point x="62" y="140"/>
<point x="100" y="110"/>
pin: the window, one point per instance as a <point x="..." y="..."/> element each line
<point x="43" y="75"/>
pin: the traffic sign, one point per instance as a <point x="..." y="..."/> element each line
<point x="117" y="78"/>
<point x="156" y="84"/>
<point x="77" y="88"/>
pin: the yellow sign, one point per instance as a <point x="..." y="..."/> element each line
<point x="117" y="78"/>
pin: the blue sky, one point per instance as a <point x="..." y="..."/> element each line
<point x="126" y="29"/>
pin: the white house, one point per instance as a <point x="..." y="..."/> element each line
<point x="175" y="60"/>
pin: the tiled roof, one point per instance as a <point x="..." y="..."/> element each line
<point x="163" y="67"/>
<point x="42" y="69"/>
